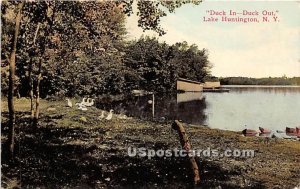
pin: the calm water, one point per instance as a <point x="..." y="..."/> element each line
<point x="268" y="106"/>
<point x="254" y="106"/>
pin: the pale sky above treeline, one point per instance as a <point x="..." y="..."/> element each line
<point x="237" y="49"/>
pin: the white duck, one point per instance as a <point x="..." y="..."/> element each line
<point x="82" y="103"/>
<point x="101" y="116"/>
<point x="82" y="107"/>
<point x="69" y="102"/>
<point x="109" y="116"/>
<point x="90" y="102"/>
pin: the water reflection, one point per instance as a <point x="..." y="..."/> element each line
<point x="189" y="96"/>
<point x="188" y="107"/>
<point x="243" y="107"/>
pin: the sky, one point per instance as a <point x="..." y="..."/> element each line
<point x="264" y="49"/>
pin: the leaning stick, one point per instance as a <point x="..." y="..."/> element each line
<point x="184" y="140"/>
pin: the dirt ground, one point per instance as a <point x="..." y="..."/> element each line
<point x="73" y="149"/>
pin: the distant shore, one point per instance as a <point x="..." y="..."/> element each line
<point x="269" y="86"/>
<point x="282" y="81"/>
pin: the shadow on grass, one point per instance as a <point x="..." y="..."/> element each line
<point x="47" y="157"/>
<point x="43" y="156"/>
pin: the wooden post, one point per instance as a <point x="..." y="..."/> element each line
<point x="184" y="140"/>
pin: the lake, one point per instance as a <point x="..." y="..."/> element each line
<point x="273" y="107"/>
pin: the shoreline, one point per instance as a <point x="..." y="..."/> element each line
<point x="69" y="151"/>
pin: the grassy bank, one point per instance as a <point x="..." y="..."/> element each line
<point x="72" y="148"/>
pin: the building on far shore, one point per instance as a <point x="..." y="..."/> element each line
<point x="187" y="85"/>
<point x="212" y="85"/>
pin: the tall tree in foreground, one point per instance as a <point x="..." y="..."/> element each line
<point x="12" y="68"/>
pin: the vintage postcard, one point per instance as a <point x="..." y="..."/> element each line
<point x="150" y="94"/>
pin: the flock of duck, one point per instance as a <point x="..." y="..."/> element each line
<point x="86" y="102"/>
<point x="89" y="102"/>
<point x="288" y="133"/>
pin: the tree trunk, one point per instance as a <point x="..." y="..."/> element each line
<point x="12" y="69"/>
<point x="30" y="73"/>
<point x="37" y="98"/>
<point x="37" y="94"/>
<point x="31" y="88"/>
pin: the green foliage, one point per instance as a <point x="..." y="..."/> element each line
<point x="83" y="52"/>
<point x="158" y="65"/>
<point x="4" y="81"/>
<point x="8" y="15"/>
<point x="150" y="12"/>
<point x="148" y="58"/>
<point x="64" y="33"/>
<point x="190" y="62"/>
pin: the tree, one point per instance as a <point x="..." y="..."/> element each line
<point x="52" y="30"/>
<point x="150" y="60"/>
<point x="51" y="25"/>
<point x="157" y="64"/>
<point x="70" y="19"/>
<point x="191" y="62"/>
<point x="12" y="68"/>
<point x="88" y="35"/>
<point x="150" y="12"/>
